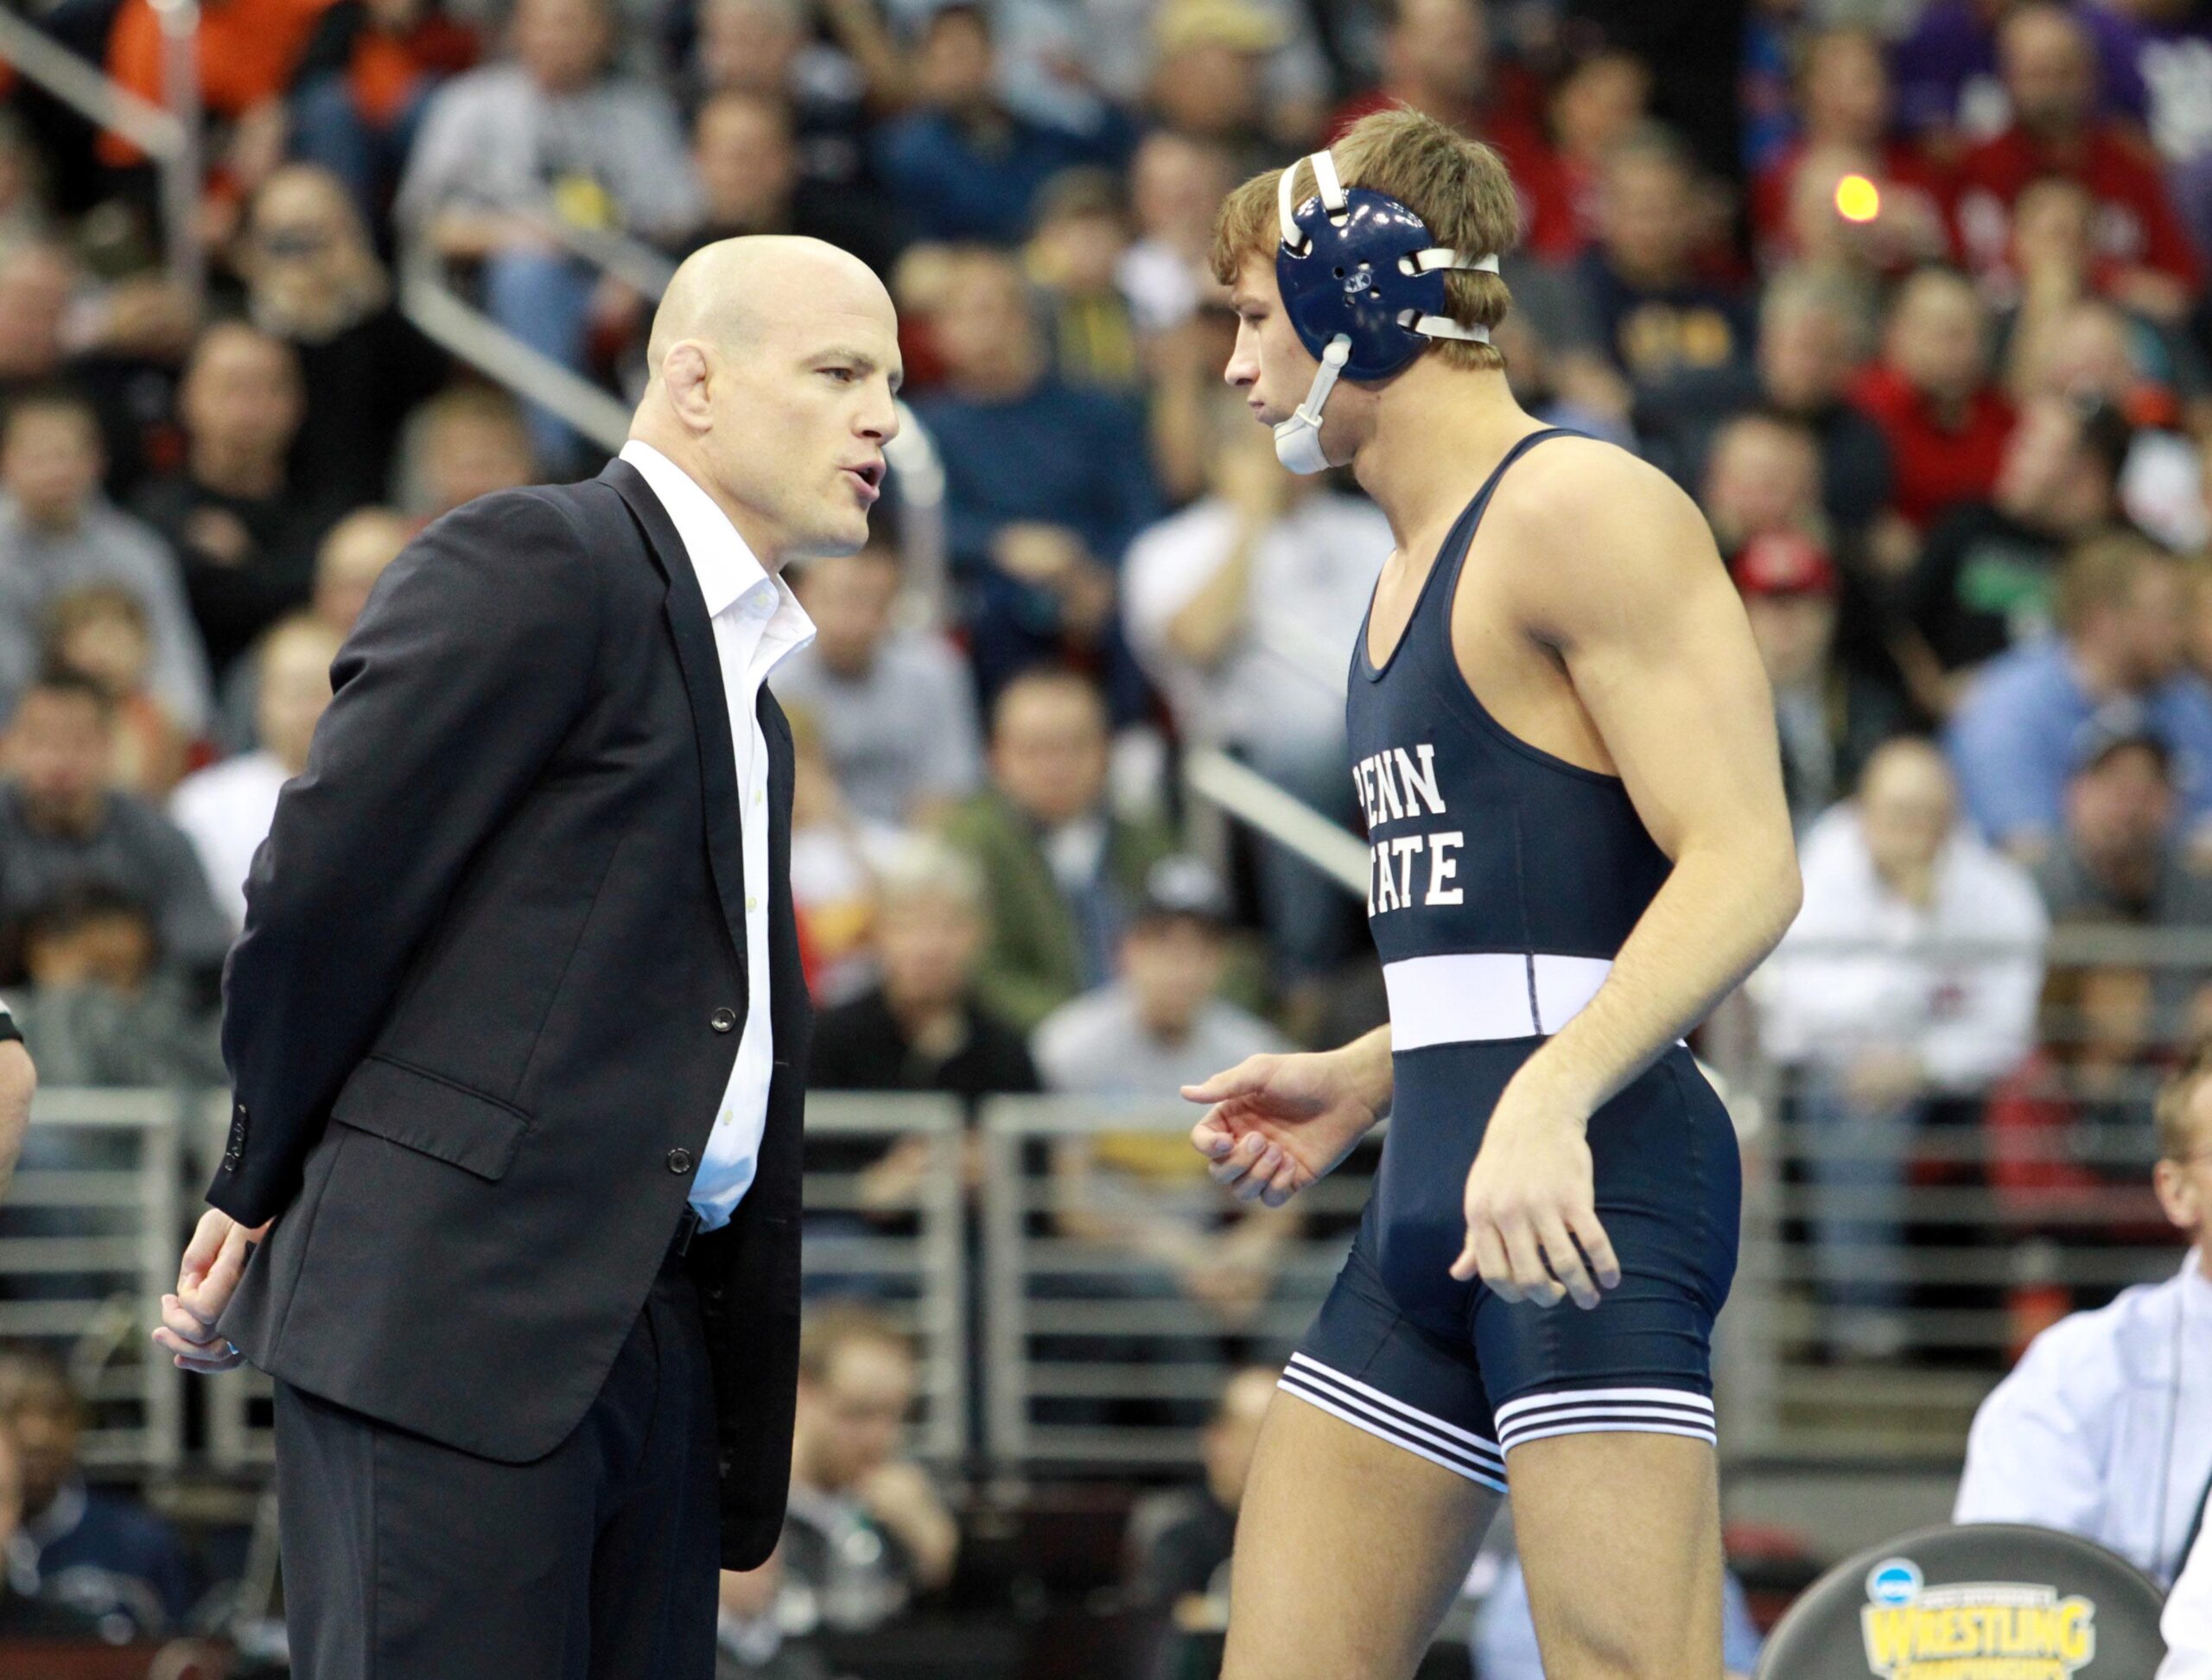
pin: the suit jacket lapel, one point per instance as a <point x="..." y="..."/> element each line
<point x="702" y="681"/>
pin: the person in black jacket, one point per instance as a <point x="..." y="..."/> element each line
<point x="509" y="1205"/>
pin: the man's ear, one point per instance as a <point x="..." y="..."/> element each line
<point x="2177" y="1195"/>
<point x="686" y="374"/>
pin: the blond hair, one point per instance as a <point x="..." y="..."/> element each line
<point x="1458" y="186"/>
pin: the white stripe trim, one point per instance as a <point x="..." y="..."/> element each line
<point x="1480" y="995"/>
<point x="1577" y="1397"/>
<point x="1394" y="1404"/>
<point x="1443" y="1451"/>
<point x="1711" y="1437"/>
<point x="1325" y="1381"/>
<point x="1495" y="1484"/>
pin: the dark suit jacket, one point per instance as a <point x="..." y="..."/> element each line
<point x="490" y="990"/>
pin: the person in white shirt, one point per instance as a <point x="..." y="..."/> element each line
<point x="1911" y="974"/>
<point x="1224" y="604"/>
<point x="2187" y="1625"/>
<point x="2104" y="1429"/>
<point x="225" y="810"/>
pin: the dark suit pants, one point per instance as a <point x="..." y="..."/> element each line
<point x="406" y="1559"/>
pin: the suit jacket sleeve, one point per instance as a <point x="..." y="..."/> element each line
<point x="470" y="664"/>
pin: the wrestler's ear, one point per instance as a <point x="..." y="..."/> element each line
<point x="2180" y="1194"/>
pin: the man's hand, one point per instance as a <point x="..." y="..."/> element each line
<point x="214" y="1261"/>
<point x="1280" y="1123"/>
<point x="1532" y="1221"/>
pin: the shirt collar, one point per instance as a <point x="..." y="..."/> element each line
<point x="727" y="569"/>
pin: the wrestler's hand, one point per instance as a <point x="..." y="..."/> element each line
<point x="1279" y="1124"/>
<point x="214" y="1261"/>
<point x="1532" y="1220"/>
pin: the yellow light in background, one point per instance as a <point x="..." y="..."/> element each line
<point x="1857" y="198"/>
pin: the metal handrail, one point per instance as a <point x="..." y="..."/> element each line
<point x="1243" y="792"/>
<point x="168" y="133"/>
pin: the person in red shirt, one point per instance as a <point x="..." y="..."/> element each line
<point x="1436" y="58"/>
<point x="1931" y="394"/>
<point x="2050" y="68"/>
<point x="247" y="51"/>
<point x="363" y="80"/>
<point x="1845" y="106"/>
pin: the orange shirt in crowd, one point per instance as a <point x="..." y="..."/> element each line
<point x="247" y="49"/>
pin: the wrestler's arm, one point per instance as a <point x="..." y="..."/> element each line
<point x="1623" y="583"/>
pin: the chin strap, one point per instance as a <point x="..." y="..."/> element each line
<point x="1298" y="440"/>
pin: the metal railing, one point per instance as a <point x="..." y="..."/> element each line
<point x="1100" y="1355"/>
<point x="904" y="1253"/>
<point x="88" y="1243"/>
<point x="168" y="132"/>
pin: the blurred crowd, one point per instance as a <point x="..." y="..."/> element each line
<point x="1908" y="294"/>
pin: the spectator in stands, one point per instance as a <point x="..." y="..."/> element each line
<point x="1176" y="184"/>
<point x="314" y="280"/>
<point x="1950" y="91"/>
<point x="1830" y="716"/>
<point x="1655" y="315"/>
<point x="25" y="213"/>
<point x="1881" y="1020"/>
<point x="1044" y="485"/>
<point x="2119" y="857"/>
<point x="1987" y="578"/>
<point x="225" y="810"/>
<point x="960" y="165"/>
<point x="102" y="633"/>
<point x="2105" y="1428"/>
<point x="2060" y="1130"/>
<point x="2049" y="66"/>
<point x="923" y="1027"/>
<point x="245" y="529"/>
<point x="101" y="1007"/>
<point x="894" y="705"/>
<point x="1436" y="57"/>
<point x="363" y="80"/>
<point x="1808" y="333"/>
<point x="1230" y="606"/>
<point x="1162" y="1024"/>
<point x="22" y="1614"/>
<point x="1844" y="105"/>
<point x="865" y="1531"/>
<point x="463" y="443"/>
<point x="1210" y="80"/>
<point x="1073" y="258"/>
<point x="1179" y="1537"/>
<point x="1930" y="394"/>
<point x="1061" y="871"/>
<point x="99" y="1551"/>
<point x="513" y="152"/>
<point x="58" y="533"/>
<point x="836" y="853"/>
<point x="750" y="1638"/>
<point x="745" y="150"/>
<point x="2120" y="619"/>
<point x="768" y="48"/>
<point x="59" y="824"/>
<point x="1763" y="474"/>
<point x="1159" y="1027"/>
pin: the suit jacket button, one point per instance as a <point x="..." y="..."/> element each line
<point x="722" y="1019"/>
<point x="679" y="1161"/>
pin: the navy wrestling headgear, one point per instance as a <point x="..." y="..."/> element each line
<point x="1364" y="288"/>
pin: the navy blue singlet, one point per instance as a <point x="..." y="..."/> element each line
<point x="1502" y="882"/>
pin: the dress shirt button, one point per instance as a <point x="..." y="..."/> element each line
<point x="679" y="1161"/>
<point x="750" y="902"/>
<point x="722" y="1019"/>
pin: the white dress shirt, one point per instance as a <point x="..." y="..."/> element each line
<point x="757" y="621"/>
<point x="226" y="811"/>
<point x="2187" y="1624"/>
<point x="2104" y="1429"/>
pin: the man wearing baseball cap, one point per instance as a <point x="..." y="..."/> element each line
<point x="1831" y="716"/>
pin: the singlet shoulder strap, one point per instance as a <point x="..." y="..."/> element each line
<point x="1443" y="586"/>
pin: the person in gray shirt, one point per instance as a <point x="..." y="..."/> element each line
<point x="58" y="533"/>
<point x="61" y="824"/>
<point x="895" y="708"/>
